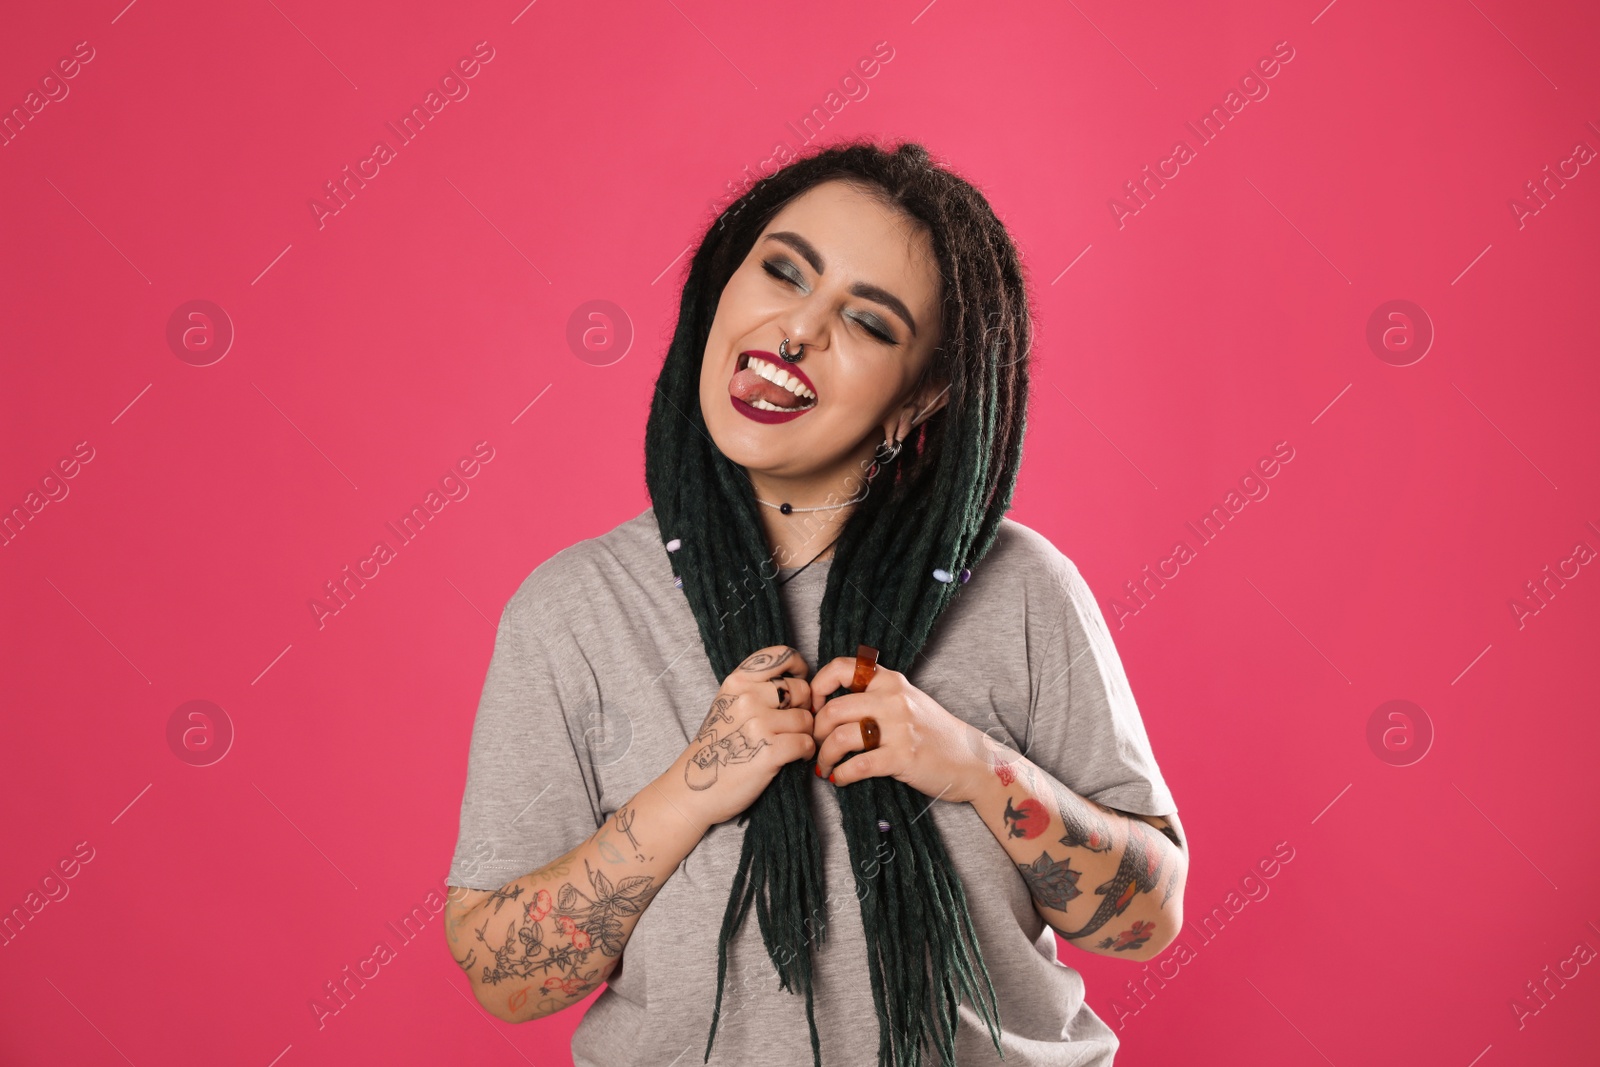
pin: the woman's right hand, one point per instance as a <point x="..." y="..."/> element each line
<point x="760" y="720"/>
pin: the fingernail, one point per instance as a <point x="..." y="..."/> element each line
<point x="830" y="778"/>
<point x="818" y="769"/>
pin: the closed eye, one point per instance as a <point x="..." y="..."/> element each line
<point x="774" y="268"/>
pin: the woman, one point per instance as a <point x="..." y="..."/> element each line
<point x="921" y="759"/>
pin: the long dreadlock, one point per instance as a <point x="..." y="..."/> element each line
<point x="937" y="505"/>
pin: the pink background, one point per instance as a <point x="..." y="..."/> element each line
<point x="432" y="311"/>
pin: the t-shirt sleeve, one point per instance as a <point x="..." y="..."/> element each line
<point x="530" y="794"/>
<point x="1084" y="726"/>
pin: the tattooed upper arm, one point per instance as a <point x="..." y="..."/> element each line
<point x="1167" y="824"/>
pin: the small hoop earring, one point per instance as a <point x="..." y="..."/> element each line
<point x="783" y="351"/>
<point x="883" y="454"/>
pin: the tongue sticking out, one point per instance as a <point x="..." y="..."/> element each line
<point x="747" y="385"/>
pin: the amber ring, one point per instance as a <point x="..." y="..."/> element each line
<point x="869" y="733"/>
<point x="866" y="667"/>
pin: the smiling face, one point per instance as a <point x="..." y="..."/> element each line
<point x="854" y="281"/>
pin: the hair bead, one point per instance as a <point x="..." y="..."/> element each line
<point x="674" y="544"/>
<point x="941" y="575"/>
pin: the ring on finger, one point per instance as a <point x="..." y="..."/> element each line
<point x="870" y="734"/>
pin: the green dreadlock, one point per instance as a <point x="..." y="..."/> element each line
<point x="939" y="505"/>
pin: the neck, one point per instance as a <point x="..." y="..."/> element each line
<point x="798" y="538"/>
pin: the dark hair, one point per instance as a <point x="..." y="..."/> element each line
<point x="937" y="506"/>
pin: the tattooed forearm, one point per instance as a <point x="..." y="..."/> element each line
<point x="1137" y="872"/>
<point x="1133" y="937"/>
<point x="1122" y="857"/>
<point x="1051" y="884"/>
<point x="541" y="942"/>
<point x="554" y="937"/>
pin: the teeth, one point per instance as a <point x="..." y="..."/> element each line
<point x="768" y="406"/>
<point x="779" y="376"/>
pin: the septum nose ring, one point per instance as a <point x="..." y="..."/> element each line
<point x="783" y="350"/>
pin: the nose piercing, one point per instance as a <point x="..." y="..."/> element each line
<point x="783" y="350"/>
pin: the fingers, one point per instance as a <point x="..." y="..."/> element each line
<point x="775" y="722"/>
<point x="838" y="673"/>
<point x="874" y="764"/>
<point x="786" y="691"/>
<point x="771" y="662"/>
<point x="837" y="744"/>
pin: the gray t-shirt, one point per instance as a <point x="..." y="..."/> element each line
<point x="597" y="683"/>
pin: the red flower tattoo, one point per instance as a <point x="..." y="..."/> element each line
<point x="1134" y="938"/>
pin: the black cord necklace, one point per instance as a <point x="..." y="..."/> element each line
<point x="812" y="560"/>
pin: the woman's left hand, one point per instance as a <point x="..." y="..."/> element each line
<point x="919" y="742"/>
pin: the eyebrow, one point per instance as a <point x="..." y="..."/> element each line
<point x="862" y="289"/>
